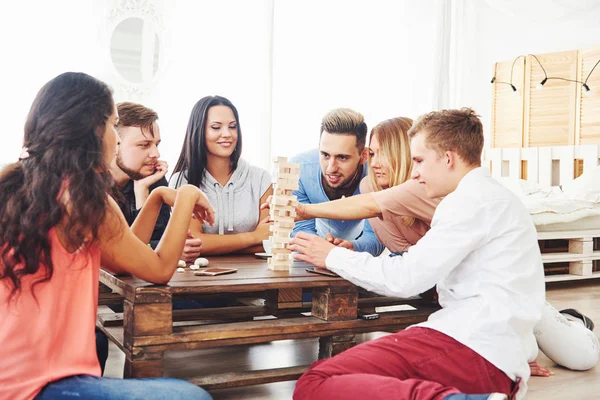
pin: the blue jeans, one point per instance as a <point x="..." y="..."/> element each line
<point x="91" y="387"/>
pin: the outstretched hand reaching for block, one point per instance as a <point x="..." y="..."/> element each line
<point x="301" y="211"/>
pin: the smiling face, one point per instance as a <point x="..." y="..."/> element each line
<point x="221" y="131"/>
<point x="430" y="168"/>
<point x="138" y="151"/>
<point x="339" y="158"/>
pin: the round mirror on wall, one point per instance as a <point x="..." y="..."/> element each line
<point x="135" y="50"/>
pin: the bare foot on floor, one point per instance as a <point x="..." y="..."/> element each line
<point x="538" y="370"/>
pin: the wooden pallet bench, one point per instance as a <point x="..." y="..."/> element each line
<point x="570" y="255"/>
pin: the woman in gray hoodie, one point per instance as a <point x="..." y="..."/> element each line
<point x="210" y="159"/>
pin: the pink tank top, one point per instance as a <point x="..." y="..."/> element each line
<point x="51" y="336"/>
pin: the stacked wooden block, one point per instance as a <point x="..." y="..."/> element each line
<point x="282" y="211"/>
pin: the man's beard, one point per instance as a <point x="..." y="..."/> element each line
<point x="345" y="188"/>
<point x="133" y="174"/>
<point x="341" y="185"/>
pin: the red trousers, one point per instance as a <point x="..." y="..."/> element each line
<point x="416" y="363"/>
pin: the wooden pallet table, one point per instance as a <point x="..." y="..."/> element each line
<point x="149" y="326"/>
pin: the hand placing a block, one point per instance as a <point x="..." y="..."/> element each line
<point x="311" y="248"/>
<point x="262" y="230"/>
<point x="300" y="209"/>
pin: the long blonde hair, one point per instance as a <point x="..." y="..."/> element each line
<point x="394" y="150"/>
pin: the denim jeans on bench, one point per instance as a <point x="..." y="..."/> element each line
<point x="94" y="388"/>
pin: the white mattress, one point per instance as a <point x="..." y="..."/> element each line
<point x="551" y="214"/>
<point x="553" y="210"/>
<point x="582" y="224"/>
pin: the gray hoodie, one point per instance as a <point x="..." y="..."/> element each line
<point x="237" y="203"/>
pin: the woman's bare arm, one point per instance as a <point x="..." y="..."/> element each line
<point x="264" y="218"/>
<point x="361" y="206"/>
<point x="123" y="251"/>
<point x="247" y="242"/>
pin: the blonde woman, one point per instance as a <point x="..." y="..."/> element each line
<point x="408" y="211"/>
<point x="400" y="213"/>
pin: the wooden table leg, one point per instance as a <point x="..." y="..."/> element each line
<point x="150" y="315"/>
<point x="280" y="299"/>
<point x="144" y="364"/>
<point x="329" y="346"/>
<point x="335" y="304"/>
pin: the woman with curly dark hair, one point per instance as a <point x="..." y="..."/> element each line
<point x="57" y="226"/>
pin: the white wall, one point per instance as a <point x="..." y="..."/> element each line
<point x="506" y="29"/>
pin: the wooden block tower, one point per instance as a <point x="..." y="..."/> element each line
<point x="282" y="211"/>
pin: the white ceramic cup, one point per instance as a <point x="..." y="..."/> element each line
<point x="267" y="246"/>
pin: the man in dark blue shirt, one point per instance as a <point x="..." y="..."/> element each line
<point x="137" y="170"/>
<point x="130" y="209"/>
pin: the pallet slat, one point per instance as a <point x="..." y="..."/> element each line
<point x="247" y="378"/>
<point x="549" y="258"/>
<point x="579" y="253"/>
<point x="569" y="277"/>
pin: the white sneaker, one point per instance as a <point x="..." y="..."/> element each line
<point x="483" y="396"/>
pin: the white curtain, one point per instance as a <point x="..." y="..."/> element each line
<point x="39" y="40"/>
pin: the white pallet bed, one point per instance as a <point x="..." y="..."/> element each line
<point x="553" y="166"/>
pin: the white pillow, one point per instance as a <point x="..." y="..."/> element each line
<point x="521" y="187"/>
<point x="586" y="187"/>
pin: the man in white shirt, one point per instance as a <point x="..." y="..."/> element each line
<point x="482" y="254"/>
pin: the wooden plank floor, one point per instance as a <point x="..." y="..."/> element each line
<point x="565" y="384"/>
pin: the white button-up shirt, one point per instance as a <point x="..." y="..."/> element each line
<point x="483" y="255"/>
